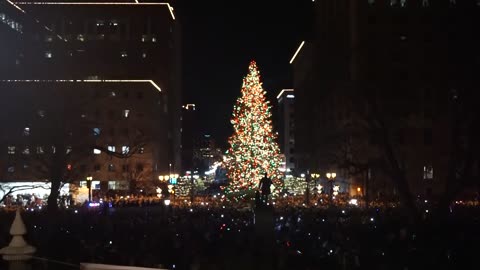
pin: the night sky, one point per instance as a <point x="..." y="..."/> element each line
<point x="220" y="38"/>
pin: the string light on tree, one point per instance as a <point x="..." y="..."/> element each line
<point x="253" y="149"/>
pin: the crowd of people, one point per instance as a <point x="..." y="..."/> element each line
<point x="221" y="236"/>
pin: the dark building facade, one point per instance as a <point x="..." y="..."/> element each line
<point x="286" y="113"/>
<point x="116" y="65"/>
<point x="394" y="61"/>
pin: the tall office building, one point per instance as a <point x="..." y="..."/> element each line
<point x="109" y="74"/>
<point x="286" y="113"/>
<point x="407" y="57"/>
<point x="190" y="137"/>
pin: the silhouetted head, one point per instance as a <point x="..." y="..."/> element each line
<point x="266" y="175"/>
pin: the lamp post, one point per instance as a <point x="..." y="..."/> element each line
<point x="89" y="186"/>
<point x="315" y="177"/>
<point x="331" y="178"/>
<point x="307" y="191"/>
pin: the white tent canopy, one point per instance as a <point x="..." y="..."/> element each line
<point x="39" y="189"/>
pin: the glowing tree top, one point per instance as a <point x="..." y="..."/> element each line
<point x="253" y="149"/>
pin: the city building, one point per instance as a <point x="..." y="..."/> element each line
<point x="396" y="63"/>
<point x="286" y="113"/>
<point x="206" y="153"/>
<point x="190" y="137"/>
<point x="108" y="73"/>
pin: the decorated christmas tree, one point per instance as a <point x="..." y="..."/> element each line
<point x="253" y="148"/>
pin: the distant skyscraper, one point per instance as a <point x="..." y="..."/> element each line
<point x="286" y="115"/>
<point x="190" y="137"/>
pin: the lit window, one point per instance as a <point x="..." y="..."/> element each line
<point x="113" y="94"/>
<point x="96" y="131"/>
<point x="26" y="151"/>
<point x="68" y="150"/>
<point x="126" y="113"/>
<point x="97" y="151"/>
<point x="11" y="169"/>
<point x="125" y="149"/>
<point x="80" y="37"/>
<point x="95" y="184"/>
<point x="141" y="150"/>
<point x="11" y="150"/>
<point x="111" y="148"/>
<point x="154" y="39"/>
<point x="48" y="54"/>
<point x="111" y="167"/>
<point x="48" y="39"/>
<point x="83" y="184"/>
<point x="144" y="55"/>
<point x="112" y="185"/>
<point x="40" y="150"/>
<point x="54" y="149"/>
<point x="26" y="131"/>
<point x="425" y="3"/>
<point x="41" y="113"/>
<point x="427" y="172"/>
<point x="123" y="54"/>
<point x="144" y="38"/>
<point x="393" y="2"/>
<point x="403" y="3"/>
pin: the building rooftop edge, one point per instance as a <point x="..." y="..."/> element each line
<point x="111" y="3"/>
<point x="283" y="91"/>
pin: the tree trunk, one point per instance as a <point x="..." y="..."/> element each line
<point x="54" y="194"/>
<point x="407" y="200"/>
<point x="367" y="189"/>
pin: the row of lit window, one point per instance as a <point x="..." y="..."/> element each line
<point x="11" y="23"/>
<point x="97" y="168"/>
<point x="123" y="54"/>
<point x="112" y="185"/>
<point x="111" y="114"/>
<point x="424" y="3"/>
<point x="83" y="38"/>
<point x="111" y="167"/>
<point x="11" y="150"/>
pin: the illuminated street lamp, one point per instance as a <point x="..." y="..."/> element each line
<point x="331" y="178"/>
<point x="89" y="186"/>
<point x="160" y="177"/>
